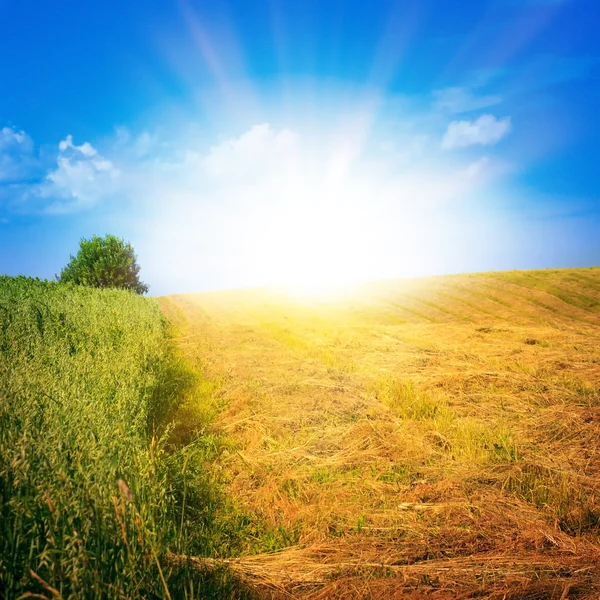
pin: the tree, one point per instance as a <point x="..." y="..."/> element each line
<point x="107" y="262"/>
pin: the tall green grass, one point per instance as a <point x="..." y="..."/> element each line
<point x="91" y="501"/>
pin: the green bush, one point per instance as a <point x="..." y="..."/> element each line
<point x="107" y="262"/>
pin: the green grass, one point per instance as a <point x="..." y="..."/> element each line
<point x="93" y="493"/>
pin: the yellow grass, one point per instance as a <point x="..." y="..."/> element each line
<point x="437" y="437"/>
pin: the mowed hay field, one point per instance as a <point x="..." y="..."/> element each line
<point x="437" y="437"/>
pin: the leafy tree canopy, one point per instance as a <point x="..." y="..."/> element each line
<point x="107" y="262"/>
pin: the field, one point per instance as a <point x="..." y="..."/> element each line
<point x="421" y="438"/>
<point x="435" y="438"/>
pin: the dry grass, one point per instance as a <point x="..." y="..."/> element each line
<point x="436" y="437"/>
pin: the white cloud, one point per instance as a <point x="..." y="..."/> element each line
<point x="247" y="154"/>
<point x="485" y="131"/>
<point x="456" y="100"/>
<point x="10" y="137"/>
<point x="81" y="179"/>
<point x="86" y="148"/>
<point x="16" y="155"/>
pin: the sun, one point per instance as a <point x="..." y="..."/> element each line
<point x="317" y="249"/>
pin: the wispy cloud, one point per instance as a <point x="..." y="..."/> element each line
<point x="456" y="100"/>
<point x="16" y="155"/>
<point x="487" y="130"/>
<point x="10" y="137"/>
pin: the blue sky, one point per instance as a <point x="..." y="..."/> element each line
<point x="246" y="143"/>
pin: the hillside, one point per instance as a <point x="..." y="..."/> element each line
<point x="438" y="437"/>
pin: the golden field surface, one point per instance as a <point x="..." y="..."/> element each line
<point x="435" y="437"/>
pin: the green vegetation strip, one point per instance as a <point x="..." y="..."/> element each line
<point x="94" y="495"/>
